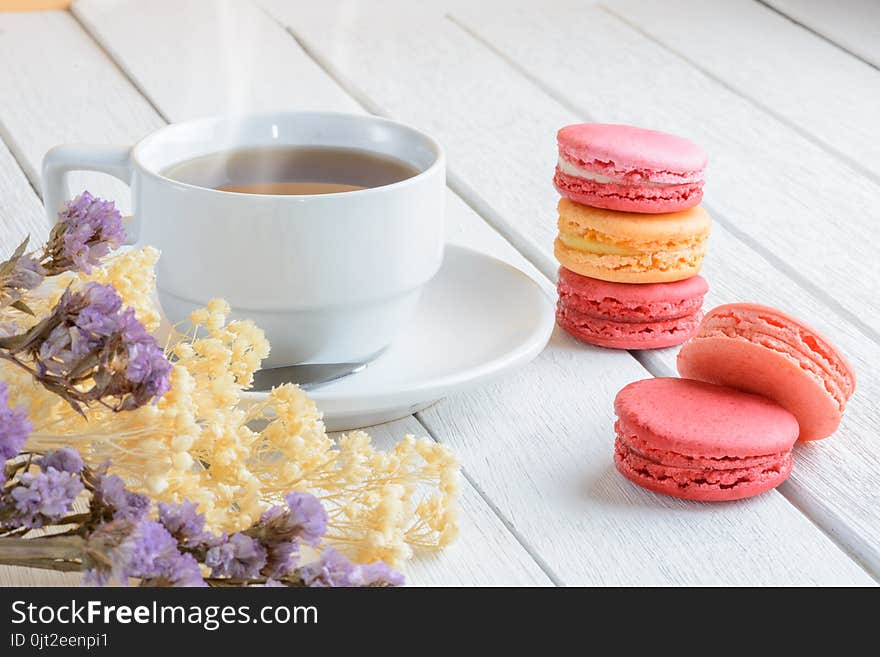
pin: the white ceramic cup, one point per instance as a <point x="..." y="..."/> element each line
<point x="330" y="278"/>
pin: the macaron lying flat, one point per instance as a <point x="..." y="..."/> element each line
<point x="623" y="316"/>
<point x="625" y="247"/>
<point x="765" y="351"/>
<point x="621" y="167"/>
<point x="700" y="441"/>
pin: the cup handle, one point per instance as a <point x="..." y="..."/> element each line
<point x="60" y="160"/>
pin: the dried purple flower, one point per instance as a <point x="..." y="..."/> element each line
<point x="89" y="338"/>
<point x="187" y="525"/>
<point x="143" y="550"/>
<point x="147" y="369"/>
<point x="66" y="459"/>
<point x="88" y="228"/>
<point x="18" y="275"/>
<point x="15" y="426"/>
<point x="334" y="569"/>
<point x="377" y="574"/>
<point x="38" y="498"/>
<point x="280" y="530"/>
<point x="240" y="557"/>
<point x="111" y="500"/>
<point x="307" y="517"/>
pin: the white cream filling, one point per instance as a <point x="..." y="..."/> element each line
<point x="574" y="170"/>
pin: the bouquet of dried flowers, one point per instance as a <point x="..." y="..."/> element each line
<point x="115" y="540"/>
<point x="78" y="349"/>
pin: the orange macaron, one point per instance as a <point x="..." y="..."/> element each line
<point x="626" y="247"/>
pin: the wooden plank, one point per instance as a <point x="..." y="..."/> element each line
<point x="32" y="72"/>
<point x="485" y="554"/>
<point x="833" y="481"/>
<point x="35" y="114"/>
<point x="789" y="72"/>
<point x="21" y="213"/>
<point x="850" y="24"/>
<point x="513" y="466"/>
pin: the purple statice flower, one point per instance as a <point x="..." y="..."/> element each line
<point x="19" y="274"/>
<point x="187" y="525"/>
<point x="86" y="320"/>
<point x="240" y="557"/>
<point x="39" y="497"/>
<point x="88" y="229"/>
<point x="15" y="426"/>
<point x="90" y="339"/>
<point x="281" y="529"/>
<point x="281" y="557"/>
<point x="66" y="459"/>
<point x="334" y="569"/>
<point x="377" y="574"/>
<point x="306" y="517"/>
<point x="111" y="500"/>
<point x="143" y="550"/>
<point x="147" y="369"/>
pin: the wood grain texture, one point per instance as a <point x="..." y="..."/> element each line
<point x="489" y="117"/>
<point x="485" y="553"/>
<point x="21" y="213"/>
<point x="851" y="24"/>
<point x="19" y="209"/>
<point x="805" y="81"/>
<point x="60" y="89"/>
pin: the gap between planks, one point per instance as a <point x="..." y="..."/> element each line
<point x="806" y="134"/>
<point x="816" y="33"/>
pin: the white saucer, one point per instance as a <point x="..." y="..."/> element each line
<point x="477" y="318"/>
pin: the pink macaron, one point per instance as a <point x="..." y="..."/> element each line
<point x="765" y="351"/>
<point x="629" y="316"/>
<point x="701" y="441"/>
<point x="621" y="167"/>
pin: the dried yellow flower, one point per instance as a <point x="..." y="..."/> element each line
<point x="202" y="443"/>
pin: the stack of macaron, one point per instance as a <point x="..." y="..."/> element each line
<point x="757" y="381"/>
<point x="632" y="236"/>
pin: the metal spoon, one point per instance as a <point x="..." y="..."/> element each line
<point x="308" y="376"/>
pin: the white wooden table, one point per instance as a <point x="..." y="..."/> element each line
<point x="784" y="95"/>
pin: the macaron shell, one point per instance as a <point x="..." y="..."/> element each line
<point x="701" y="486"/>
<point x="662" y="267"/>
<point x="632" y="228"/>
<point x="627" y="335"/>
<point x="765" y="351"/>
<point x="629" y="198"/>
<point x="617" y="150"/>
<point x="741" y="364"/>
<point x="699" y="419"/>
<point x="631" y="302"/>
